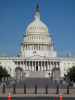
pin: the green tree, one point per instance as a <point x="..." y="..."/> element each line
<point x="71" y="74"/>
<point x="3" y="73"/>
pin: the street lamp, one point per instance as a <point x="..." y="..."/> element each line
<point x="57" y="87"/>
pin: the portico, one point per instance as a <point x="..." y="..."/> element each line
<point x="38" y="65"/>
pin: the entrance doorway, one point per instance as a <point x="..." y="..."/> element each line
<point x="36" y="65"/>
<point x="56" y="73"/>
<point x="36" y="68"/>
<point x="19" y="73"/>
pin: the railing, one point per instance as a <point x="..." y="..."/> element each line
<point x="36" y="90"/>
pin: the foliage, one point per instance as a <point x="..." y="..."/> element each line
<point x="3" y="72"/>
<point x="70" y="74"/>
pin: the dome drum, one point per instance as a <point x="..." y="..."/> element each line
<point x="44" y="39"/>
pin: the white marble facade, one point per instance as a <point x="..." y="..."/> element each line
<point x="38" y="57"/>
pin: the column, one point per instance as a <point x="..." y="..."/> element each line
<point x="48" y="66"/>
<point x="41" y="66"/>
<point x="29" y="65"/>
<point x="57" y="66"/>
<point x="26" y="66"/>
<point x="52" y="66"/>
<point x="45" y="67"/>
<point x="38" y="66"/>
<point x="32" y="67"/>
<point x="33" y="64"/>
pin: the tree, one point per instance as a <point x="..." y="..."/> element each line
<point x="71" y="74"/>
<point x="3" y="73"/>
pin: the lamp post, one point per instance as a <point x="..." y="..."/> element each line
<point x="57" y="87"/>
<point x="68" y="89"/>
<point x="46" y="89"/>
<point x="9" y="83"/>
<point x="3" y="85"/>
<point x="68" y="84"/>
<point x="14" y="87"/>
<point x="24" y="89"/>
<point x="35" y="89"/>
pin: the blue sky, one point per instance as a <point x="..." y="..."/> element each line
<point x="15" y="15"/>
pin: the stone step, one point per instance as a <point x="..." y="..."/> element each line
<point x="37" y="74"/>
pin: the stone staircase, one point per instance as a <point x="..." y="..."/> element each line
<point x="40" y="82"/>
<point x="37" y="74"/>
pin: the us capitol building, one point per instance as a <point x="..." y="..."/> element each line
<point x="37" y="58"/>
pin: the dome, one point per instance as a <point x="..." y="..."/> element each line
<point x="37" y="26"/>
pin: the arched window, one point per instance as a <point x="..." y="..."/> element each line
<point x="19" y="73"/>
<point x="56" y="73"/>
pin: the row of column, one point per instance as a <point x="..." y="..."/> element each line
<point x="36" y="47"/>
<point x="38" y="65"/>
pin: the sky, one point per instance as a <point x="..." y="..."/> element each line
<point x="58" y="15"/>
